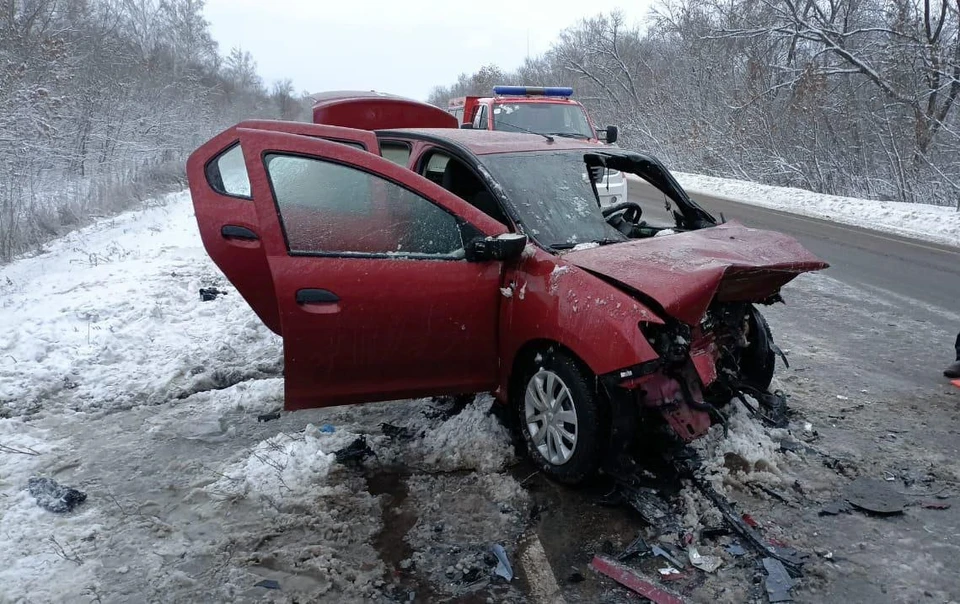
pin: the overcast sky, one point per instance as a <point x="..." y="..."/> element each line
<point x="392" y="46"/>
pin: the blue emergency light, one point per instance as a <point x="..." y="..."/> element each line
<point x="533" y="90"/>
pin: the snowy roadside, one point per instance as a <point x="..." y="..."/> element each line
<point x="116" y="379"/>
<point x="936" y="224"/>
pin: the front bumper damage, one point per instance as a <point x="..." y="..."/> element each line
<point x="696" y="374"/>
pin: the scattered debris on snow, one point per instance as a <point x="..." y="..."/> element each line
<point x="874" y="496"/>
<point x="503" y="564"/>
<point x="778" y="583"/>
<point x="632" y="580"/>
<point x="707" y="564"/>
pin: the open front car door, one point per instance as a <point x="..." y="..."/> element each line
<point x="360" y="264"/>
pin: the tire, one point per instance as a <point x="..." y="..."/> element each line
<point x="557" y="400"/>
<point x="759" y="361"/>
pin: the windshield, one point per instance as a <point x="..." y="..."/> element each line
<point x="553" y="197"/>
<point x="543" y="118"/>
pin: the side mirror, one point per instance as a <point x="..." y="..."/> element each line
<point x="467" y="126"/>
<point x="505" y="247"/>
<point x="612" y="134"/>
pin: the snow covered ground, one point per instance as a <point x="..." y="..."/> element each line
<point x="117" y="380"/>
<point x="920" y="221"/>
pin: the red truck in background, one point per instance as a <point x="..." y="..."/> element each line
<point x="542" y="110"/>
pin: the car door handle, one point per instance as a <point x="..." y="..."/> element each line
<point x="232" y="231"/>
<point x="316" y="296"/>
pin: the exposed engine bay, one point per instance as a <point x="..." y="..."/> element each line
<point x="730" y="354"/>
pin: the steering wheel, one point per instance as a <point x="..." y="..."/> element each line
<point x="630" y="211"/>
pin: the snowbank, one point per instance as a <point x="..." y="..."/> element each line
<point x="470" y="440"/>
<point x="747" y="454"/>
<point x="110" y="317"/>
<point x="936" y="224"/>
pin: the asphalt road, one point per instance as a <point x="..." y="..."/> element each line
<point x="927" y="272"/>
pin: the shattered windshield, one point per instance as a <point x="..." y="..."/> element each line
<point x="543" y="118"/>
<point x="553" y="197"/>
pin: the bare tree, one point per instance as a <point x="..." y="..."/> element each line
<point x="851" y="97"/>
<point x="101" y="101"/>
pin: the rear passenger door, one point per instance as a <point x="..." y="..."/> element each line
<point x="225" y="212"/>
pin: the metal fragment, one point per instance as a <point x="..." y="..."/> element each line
<point x="632" y="580"/>
<point x="778" y="583"/>
<point x="707" y="564"/>
<point x="656" y="550"/>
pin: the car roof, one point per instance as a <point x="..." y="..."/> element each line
<point x="488" y="142"/>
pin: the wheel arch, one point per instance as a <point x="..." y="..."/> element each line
<point x="527" y="353"/>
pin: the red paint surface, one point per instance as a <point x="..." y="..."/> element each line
<point x="377" y="112"/>
<point x="244" y="262"/>
<point x="685" y="271"/>
<point x="629" y="578"/>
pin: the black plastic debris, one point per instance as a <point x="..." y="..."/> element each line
<point x="210" y="293"/>
<point x="712" y="532"/>
<point x="353" y="454"/>
<point x="267" y="584"/>
<point x="267" y="417"/>
<point x="778" y="583"/>
<point x="53" y="496"/>
<point x="637" y="547"/>
<point x="648" y="504"/>
<point x="791" y="558"/>
<point x="834" y="508"/>
<point x="874" y="496"/>
<point x="392" y="432"/>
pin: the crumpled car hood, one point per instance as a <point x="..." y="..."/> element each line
<point x="684" y="272"/>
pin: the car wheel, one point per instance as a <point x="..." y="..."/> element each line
<point x="759" y="360"/>
<point x="561" y="419"/>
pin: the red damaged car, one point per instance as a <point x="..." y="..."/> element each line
<point x="401" y="262"/>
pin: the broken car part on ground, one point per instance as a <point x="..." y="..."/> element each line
<point x="336" y="248"/>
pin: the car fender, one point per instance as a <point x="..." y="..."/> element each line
<point x="548" y="299"/>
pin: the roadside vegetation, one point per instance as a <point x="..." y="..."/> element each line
<point x="847" y="97"/>
<point x="102" y="100"/>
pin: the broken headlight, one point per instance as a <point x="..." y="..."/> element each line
<point x="671" y="342"/>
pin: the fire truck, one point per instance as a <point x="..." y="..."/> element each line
<point x="547" y="111"/>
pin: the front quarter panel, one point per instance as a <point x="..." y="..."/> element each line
<point x="558" y="302"/>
